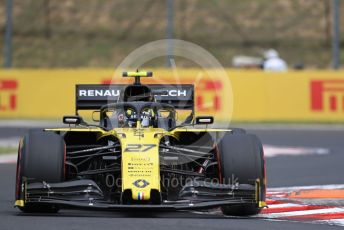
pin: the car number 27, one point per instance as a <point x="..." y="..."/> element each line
<point x="139" y="147"/>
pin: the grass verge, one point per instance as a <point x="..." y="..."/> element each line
<point x="7" y="150"/>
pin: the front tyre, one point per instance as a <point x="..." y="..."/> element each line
<point x="41" y="156"/>
<point x="242" y="157"/>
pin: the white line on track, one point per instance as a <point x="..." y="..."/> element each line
<point x="287" y="205"/>
<point x="12" y="142"/>
<point x="316" y="127"/>
<point x="338" y="222"/>
<point x="301" y="213"/>
<point x="273" y="151"/>
<point x="8" y="158"/>
<point x="293" y="188"/>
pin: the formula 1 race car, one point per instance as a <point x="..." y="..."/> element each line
<point x="146" y="151"/>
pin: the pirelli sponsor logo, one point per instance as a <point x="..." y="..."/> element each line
<point x="8" y="95"/>
<point x="327" y="95"/>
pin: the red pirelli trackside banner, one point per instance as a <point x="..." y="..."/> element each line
<point x="256" y="96"/>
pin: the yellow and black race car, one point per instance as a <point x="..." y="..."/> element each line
<point x="141" y="154"/>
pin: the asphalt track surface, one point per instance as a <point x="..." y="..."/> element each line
<point x="281" y="171"/>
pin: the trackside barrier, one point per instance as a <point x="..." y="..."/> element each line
<point x="257" y="96"/>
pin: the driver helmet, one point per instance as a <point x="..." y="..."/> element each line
<point x="131" y="117"/>
<point x="146" y="118"/>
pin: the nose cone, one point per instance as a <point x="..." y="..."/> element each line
<point x="140" y="163"/>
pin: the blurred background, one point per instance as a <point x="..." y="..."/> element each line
<point x="49" y="45"/>
<point x="100" y="33"/>
<point x="284" y="82"/>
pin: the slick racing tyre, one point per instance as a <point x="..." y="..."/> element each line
<point x="238" y="131"/>
<point x="41" y="156"/>
<point x="242" y="157"/>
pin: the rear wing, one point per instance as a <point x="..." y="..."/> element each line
<point x="93" y="97"/>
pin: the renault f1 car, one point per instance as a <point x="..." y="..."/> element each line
<point x="140" y="155"/>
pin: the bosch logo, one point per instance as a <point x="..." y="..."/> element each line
<point x="175" y="93"/>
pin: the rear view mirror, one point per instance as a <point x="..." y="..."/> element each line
<point x="72" y="120"/>
<point x="96" y="116"/>
<point x="204" y="120"/>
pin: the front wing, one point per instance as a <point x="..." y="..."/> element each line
<point x="85" y="194"/>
